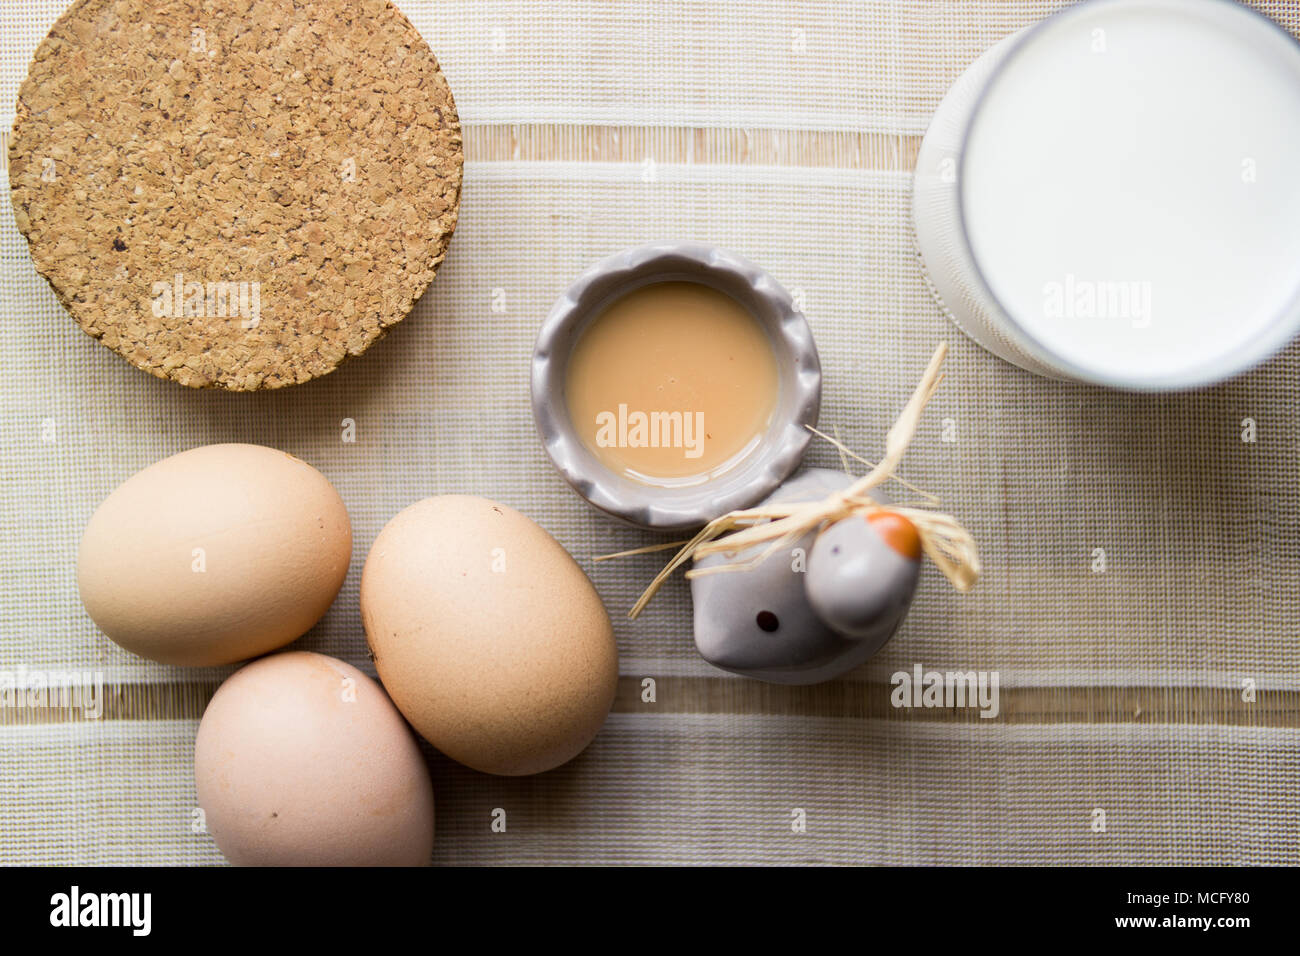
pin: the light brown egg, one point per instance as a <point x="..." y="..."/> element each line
<point x="489" y="637"/>
<point x="215" y="555"/>
<point x="302" y="760"/>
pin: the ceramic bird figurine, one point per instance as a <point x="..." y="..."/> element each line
<point x="813" y="581"/>
<point x="818" y="609"/>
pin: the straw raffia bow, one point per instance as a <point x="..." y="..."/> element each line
<point x="781" y="525"/>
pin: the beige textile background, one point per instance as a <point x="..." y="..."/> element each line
<point x="785" y="131"/>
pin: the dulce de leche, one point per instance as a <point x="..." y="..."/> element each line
<point x="673" y="383"/>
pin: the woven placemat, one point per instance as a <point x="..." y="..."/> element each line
<point x="591" y="126"/>
<point x="236" y="193"/>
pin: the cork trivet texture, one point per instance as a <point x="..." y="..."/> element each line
<point x="236" y="193"/>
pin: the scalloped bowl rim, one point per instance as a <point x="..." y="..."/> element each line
<point x="747" y="482"/>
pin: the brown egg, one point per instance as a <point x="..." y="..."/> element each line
<point x="489" y="637"/>
<point x="215" y="555"/>
<point x="302" y="760"/>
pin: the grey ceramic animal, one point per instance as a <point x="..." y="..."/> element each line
<point x="817" y="610"/>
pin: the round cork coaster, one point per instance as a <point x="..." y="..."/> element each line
<point x="236" y="193"/>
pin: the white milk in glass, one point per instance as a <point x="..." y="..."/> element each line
<point x="1113" y="195"/>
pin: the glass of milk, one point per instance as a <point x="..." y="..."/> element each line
<point x="1112" y="195"/>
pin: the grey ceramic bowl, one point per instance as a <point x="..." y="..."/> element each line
<point x="748" y="481"/>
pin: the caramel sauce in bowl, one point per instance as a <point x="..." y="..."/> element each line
<point x="673" y="382"/>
